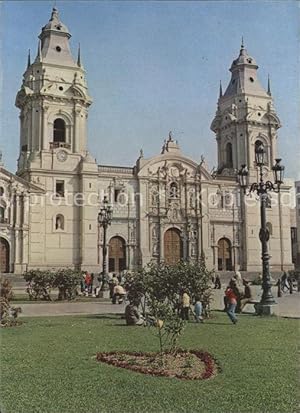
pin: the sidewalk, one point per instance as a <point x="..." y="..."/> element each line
<point x="288" y="306"/>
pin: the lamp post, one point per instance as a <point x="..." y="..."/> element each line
<point x="104" y="219"/>
<point x="262" y="188"/>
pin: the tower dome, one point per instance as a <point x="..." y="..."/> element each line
<point x="54" y="39"/>
<point x="244" y="78"/>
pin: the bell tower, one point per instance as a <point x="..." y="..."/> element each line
<point x="245" y="117"/>
<point x="54" y="102"/>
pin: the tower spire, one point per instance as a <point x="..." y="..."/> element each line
<point x="269" y="86"/>
<point x="242" y="44"/>
<point x="220" y="91"/>
<point x="28" y="59"/>
<point x="79" y="57"/>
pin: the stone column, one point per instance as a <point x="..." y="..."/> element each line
<point x="25" y="210"/>
<point x="76" y="132"/>
<point x="17" y="234"/>
<point x="128" y="260"/>
<point x="45" y="140"/>
<point x="161" y="243"/>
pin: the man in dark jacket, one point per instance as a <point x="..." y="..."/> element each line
<point x="133" y="316"/>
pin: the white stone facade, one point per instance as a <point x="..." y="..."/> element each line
<point x="297" y="213"/>
<point x="164" y="207"/>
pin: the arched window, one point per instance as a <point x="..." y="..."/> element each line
<point x="258" y="143"/>
<point x="59" y="130"/>
<point x="173" y="190"/>
<point x="59" y="222"/>
<point x="229" y="161"/>
<point x="1" y="191"/>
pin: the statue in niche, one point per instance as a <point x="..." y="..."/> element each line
<point x="59" y="222"/>
<point x="192" y="199"/>
<point x="155" y="232"/>
<point x="193" y="249"/>
<point x="132" y="234"/>
<point x="193" y="235"/>
<point x="154" y="196"/>
<point x="155" y="248"/>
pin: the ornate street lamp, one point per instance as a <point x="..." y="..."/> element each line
<point x="104" y="219"/>
<point x="261" y="189"/>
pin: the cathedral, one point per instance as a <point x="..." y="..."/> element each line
<point x="165" y="208"/>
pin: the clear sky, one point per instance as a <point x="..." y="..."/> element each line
<point x="155" y="66"/>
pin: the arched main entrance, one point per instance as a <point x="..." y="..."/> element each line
<point x="4" y="256"/>
<point x="224" y="255"/>
<point x="173" y="246"/>
<point x="117" y="255"/>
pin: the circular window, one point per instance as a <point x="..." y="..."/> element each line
<point x="61" y="88"/>
<point x="240" y="100"/>
<point x="259" y="114"/>
<point x="37" y="71"/>
<point x="251" y="79"/>
<point x="58" y="27"/>
<point x="249" y="60"/>
<point x="58" y="48"/>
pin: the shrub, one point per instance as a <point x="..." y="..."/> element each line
<point x="40" y="284"/>
<point x="158" y="286"/>
<point x="67" y="281"/>
<point x="8" y="314"/>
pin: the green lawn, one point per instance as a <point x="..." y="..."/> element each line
<point x="48" y="366"/>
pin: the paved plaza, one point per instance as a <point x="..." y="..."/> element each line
<point x="288" y="306"/>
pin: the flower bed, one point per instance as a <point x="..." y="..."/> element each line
<point x="183" y="364"/>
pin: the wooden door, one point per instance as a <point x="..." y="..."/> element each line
<point x="117" y="255"/>
<point x="4" y="256"/>
<point x="224" y="255"/>
<point x="172" y="246"/>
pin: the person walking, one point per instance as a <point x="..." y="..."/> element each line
<point x="231" y="294"/>
<point x="217" y="282"/>
<point x="284" y="282"/>
<point x="186" y="302"/>
<point x="278" y="285"/>
<point x="88" y="280"/>
<point x="198" y="310"/>
<point x="290" y="283"/>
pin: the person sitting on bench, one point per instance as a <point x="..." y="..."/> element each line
<point x="247" y="296"/>
<point x="119" y="293"/>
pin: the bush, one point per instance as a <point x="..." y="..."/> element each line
<point x="8" y="314"/>
<point x="67" y="280"/>
<point x="40" y="283"/>
<point x="158" y="286"/>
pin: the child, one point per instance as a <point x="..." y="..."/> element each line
<point x="198" y="310"/>
<point x="231" y="295"/>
